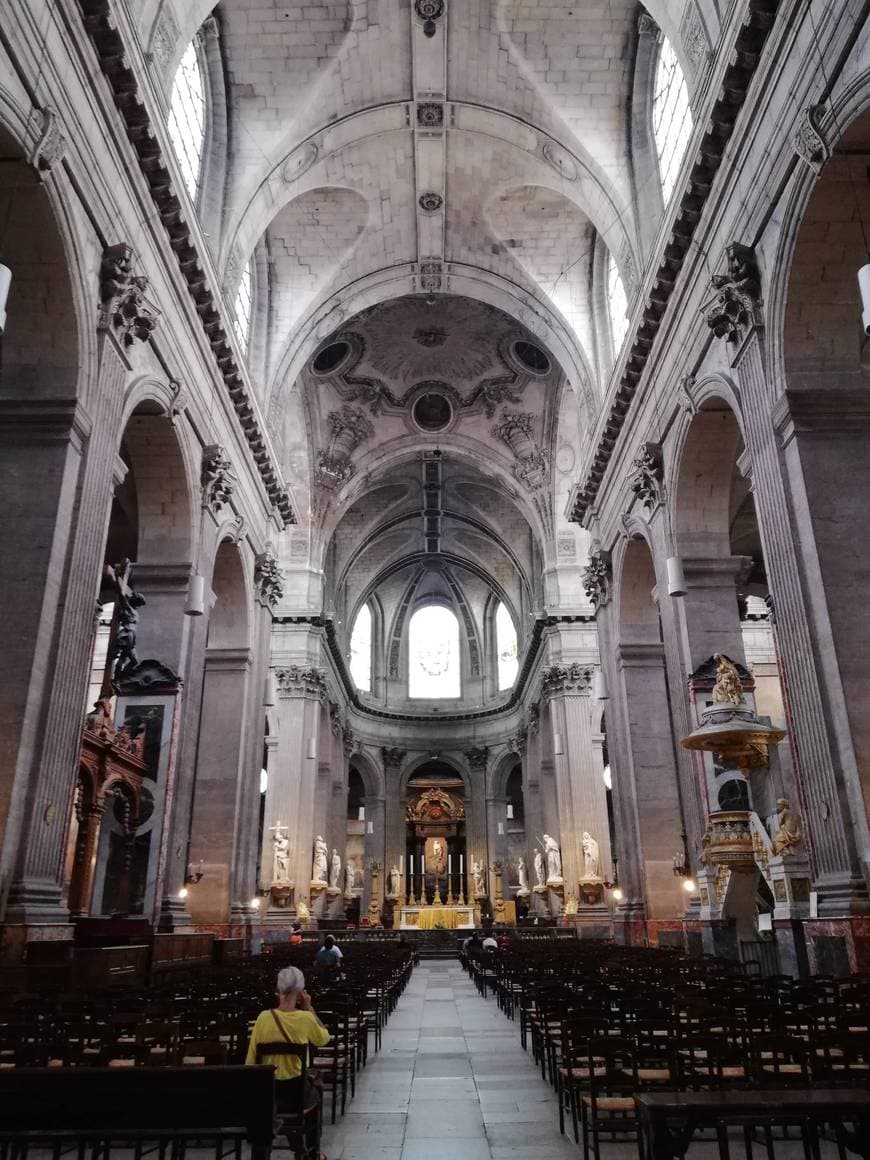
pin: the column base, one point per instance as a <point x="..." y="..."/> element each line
<point x="838" y="946"/>
<point x="841" y="897"/>
<point x="35" y="914"/>
<point x="174" y="916"/>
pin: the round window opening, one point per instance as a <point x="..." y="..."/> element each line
<point x="532" y="358"/>
<point x="326" y="360"/>
<point x="432" y="412"/>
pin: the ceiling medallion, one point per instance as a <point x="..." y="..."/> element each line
<point x="561" y="160"/>
<point x="429" y="12"/>
<point x="299" y="161"/>
<point x="431" y="202"/>
<point x="430" y="114"/>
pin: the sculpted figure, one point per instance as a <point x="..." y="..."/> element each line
<point x="302" y="911"/>
<point x="349" y="878"/>
<point x="540" y="872"/>
<point x="479" y="884"/>
<point x="334" y="870"/>
<point x="281" y="854"/>
<point x="523" y="875"/>
<point x="321" y="853"/>
<point x="395" y="881"/>
<point x="554" y="859"/>
<point x="728" y="688"/>
<point x="591" y="857"/>
<point x="789" y="832"/>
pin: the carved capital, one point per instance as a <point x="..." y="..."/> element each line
<point x="647" y="475"/>
<point x="597" y="578"/>
<point x="269" y="579"/>
<point x="560" y="679"/>
<point x="736" y="305"/>
<point x="476" y="758"/>
<point x="124" y="307"/>
<point x="393" y="757"/>
<point x="810" y="143"/>
<point x="534" y="719"/>
<point x="216" y="477"/>
<point x="300" y="681"/>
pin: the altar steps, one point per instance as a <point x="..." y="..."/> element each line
<point x="437" y="944"/>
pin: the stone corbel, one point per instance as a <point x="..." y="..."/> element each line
<point x="216" y="477"/>
<point x="269" y="580"/>
<point x="735" y="308"/>
<point x="125" y="310"/>
<point x="597" y="578"/>
<point x="647" y="475"/>
<point x="50" y="145"/>
<point x="810" y="142"/>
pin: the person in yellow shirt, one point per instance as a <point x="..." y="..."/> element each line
<point x="295" y="1021"/>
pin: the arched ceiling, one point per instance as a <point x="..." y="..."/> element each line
<point x="374" y="151"/>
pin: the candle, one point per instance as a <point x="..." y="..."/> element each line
<point x="449" y="863"/>
<point x="460" y="865"/>
<point x="411" y="865"/>
<point x="422" y="863"/>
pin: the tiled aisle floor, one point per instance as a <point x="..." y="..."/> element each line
<point x="450" y="1080"/>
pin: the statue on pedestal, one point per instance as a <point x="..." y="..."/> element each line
<point x="479" y="883"/>
<point x="334" y="870"/>
<point x="349" y="878"/>
<point x="523" y="875"/>
<point x="540" y="872"/>
<point x="591" y="857"/>
<point x="554" y="859"/>
<point x="395" y="881"/>
<point x="789" y="832"/>
<point x="321" y="853"/>
<point x="280" y="854"/>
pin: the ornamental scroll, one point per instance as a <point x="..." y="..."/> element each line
<point x="434" y="805"/>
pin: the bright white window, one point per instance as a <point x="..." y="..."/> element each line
<point x="506" y="643"/>
<point x="361" y="650"/>
<point x="433" y="653"/>
<point x="187" y="118"/>
<point x="243" y="306"/>
<point x="672" y="116"/>
<point x="617" y="305"/>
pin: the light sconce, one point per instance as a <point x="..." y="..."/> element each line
<point x="269" y="691"/>
<point x="255" y="904"/>
<point x="361" y="814"/>
<point x="509" y="811"/>
<point x="311" y="752"/>
<point x="182" y="894"/>
<point x="676" y="579"/>
<point x="599" y="686"/>
<point x="195" y="596"/>
<point x="193" y="876"/>
<point x="689" y="885"/>
<point x="558" y="744"/>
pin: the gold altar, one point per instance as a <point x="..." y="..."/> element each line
<point x="437" y="917"/>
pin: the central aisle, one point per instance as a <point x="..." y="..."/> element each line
<point x="451" y="1080"/>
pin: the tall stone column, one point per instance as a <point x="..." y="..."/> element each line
<point x="374" y="847"/>
<point x="394" y="815"/>
<point x="292" y="795"/>
<point x="477" y="837"/>
<point x="58" y="467"/>
<point x="815" y="706"/>
<point x="532" y="787"/>
<point x="710" y="615"/>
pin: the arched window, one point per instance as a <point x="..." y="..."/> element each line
<point x="433" y="653"/>
<point x="244" y="298"/>
<point x="187" y="117"/>
<point x="671" y="116"/>
<point x="361" y="650"/>
<point x="506" y="645"/>
<point x="617" y="305"/>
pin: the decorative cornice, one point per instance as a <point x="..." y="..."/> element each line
<point x="216" y="477"/>
<point x="560" y="679"/>
<point x="737" y="78"/>
<point x="111" y="52"/>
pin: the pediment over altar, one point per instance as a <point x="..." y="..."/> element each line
<point x="435" y="805"/>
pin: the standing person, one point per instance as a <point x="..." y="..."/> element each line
<point x="295" y="1021"/>
<point x="329" y="954"/>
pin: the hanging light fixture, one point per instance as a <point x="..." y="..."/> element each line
<point x="676" y="579"/>
<point x="558" y="744"/>
<point x="863" y="286"/>
<point x="311" y="752"/>
<point x="599" y="686"/>
<point x="5" y="283"/>
<point x="269" y="691"/>
<point x="195" y="596"/>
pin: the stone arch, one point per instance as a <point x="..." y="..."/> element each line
<point x="638" y="617"/>
<point x="702" y="480"/>
<point x="370" y="772"/>
<point x="417" y="761"/>
<point x="500" y="771"/>
<point x="229" y="625"/>
<point x="159" y="466"/>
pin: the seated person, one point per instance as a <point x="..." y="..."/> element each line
<point x="296" y="934"/>
<point x="292" y="1020"/>
<point x="473" y="946"/>
<point x="490" y="943"/>
<point x="329" y="954"/>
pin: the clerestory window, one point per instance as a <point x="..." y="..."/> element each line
<point x="506" y="645"/>
<point x="617" y="305"/>
<point x="433" y="653"/>
<point x="361" y="650"/>
<point x="671" y="116"/>
<point x="187" y="118"/>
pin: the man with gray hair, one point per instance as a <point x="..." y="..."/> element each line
<point x="292" y="1021"/>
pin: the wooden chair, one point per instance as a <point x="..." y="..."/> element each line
<point x="301" y="1121"/>
<point x="608" y="1106"/>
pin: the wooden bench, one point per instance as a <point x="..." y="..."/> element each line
<point x="43" y="1108"/>
<point x="668" y="1120"/>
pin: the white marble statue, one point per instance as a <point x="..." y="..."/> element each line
<point x="280" y="854"/>
<point x="395" y="881"/>
<point x="321" y="853"/>
<point x="554" y="859"/>
<point x="334" y="870"/>
<point x="591" y="857"/>
<point x="540" y="872"/>
<point x="438" y="852"/>
<point x="523" y="875"/>
<point x="479" y="883"/>
<point x="349" y="878"/>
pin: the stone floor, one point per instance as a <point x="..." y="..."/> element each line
<point x="452" y="1081"/>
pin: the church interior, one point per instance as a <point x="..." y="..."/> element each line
<point x="435" y="451"/>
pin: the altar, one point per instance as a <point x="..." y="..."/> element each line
<point x="440" y="917"/>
